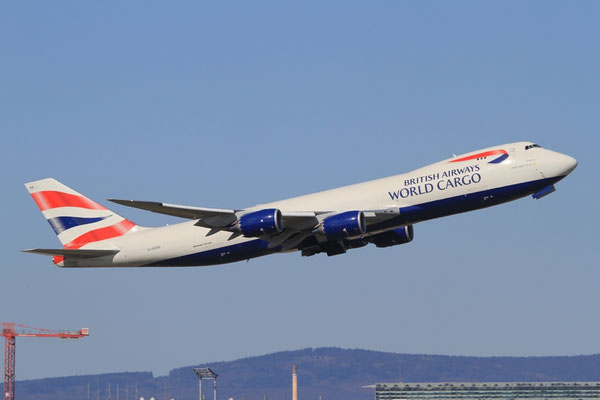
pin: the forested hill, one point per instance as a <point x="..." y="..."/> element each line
<point x="332" y="373"/>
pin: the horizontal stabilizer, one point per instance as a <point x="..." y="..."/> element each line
<point x="74" y="253"/>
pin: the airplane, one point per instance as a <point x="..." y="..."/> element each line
<point x="382" y="212"/>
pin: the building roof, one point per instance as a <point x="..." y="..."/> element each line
<point x="481" y="385"/>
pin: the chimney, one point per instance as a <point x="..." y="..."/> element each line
<point x="294" y="383"/>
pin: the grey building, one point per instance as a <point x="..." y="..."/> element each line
<point x="487" y="390"/>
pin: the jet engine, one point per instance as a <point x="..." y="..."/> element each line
<point x="259" y="223"/>
<point x="343" y="225"/>
<point x="392" y="238"/>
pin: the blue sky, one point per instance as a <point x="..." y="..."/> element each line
<point x="236" y="103"/>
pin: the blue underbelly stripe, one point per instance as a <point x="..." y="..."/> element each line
<point x="222" y="255"/>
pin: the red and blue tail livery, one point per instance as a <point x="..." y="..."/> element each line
<point x="382" y="212"/>
<point x="76" y="220"/>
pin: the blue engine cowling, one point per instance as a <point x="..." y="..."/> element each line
<point x="259" y="223"/>
<point x="343" y="225"/>
<point x="394" y="237"/>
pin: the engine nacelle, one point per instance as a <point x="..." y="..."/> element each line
<point x="392" y="238"/>
<point x="259" y="223"/>
<point x="343" y="225"/>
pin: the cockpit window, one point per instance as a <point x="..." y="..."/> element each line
<point x="531" y="146"/>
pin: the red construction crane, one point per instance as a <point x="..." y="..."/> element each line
<point x="10" y="331"/>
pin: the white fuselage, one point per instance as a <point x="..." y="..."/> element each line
<point x="447" y="187"/>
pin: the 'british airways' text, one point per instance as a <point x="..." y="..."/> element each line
<point x="424" y="184"/>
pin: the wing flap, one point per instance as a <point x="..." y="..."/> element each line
<point x="74" y="253"/>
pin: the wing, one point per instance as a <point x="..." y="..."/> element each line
<point x="210" y="217"/>
<point x="217" y="218"/>
<point x="298" y="225"/>
<point x="73" y="253"/>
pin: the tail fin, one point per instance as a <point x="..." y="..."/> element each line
<point x="76" y="220"/>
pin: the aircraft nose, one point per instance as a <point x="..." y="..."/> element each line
<point x="552" y="164"/>
<point x="567" y="164"/>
